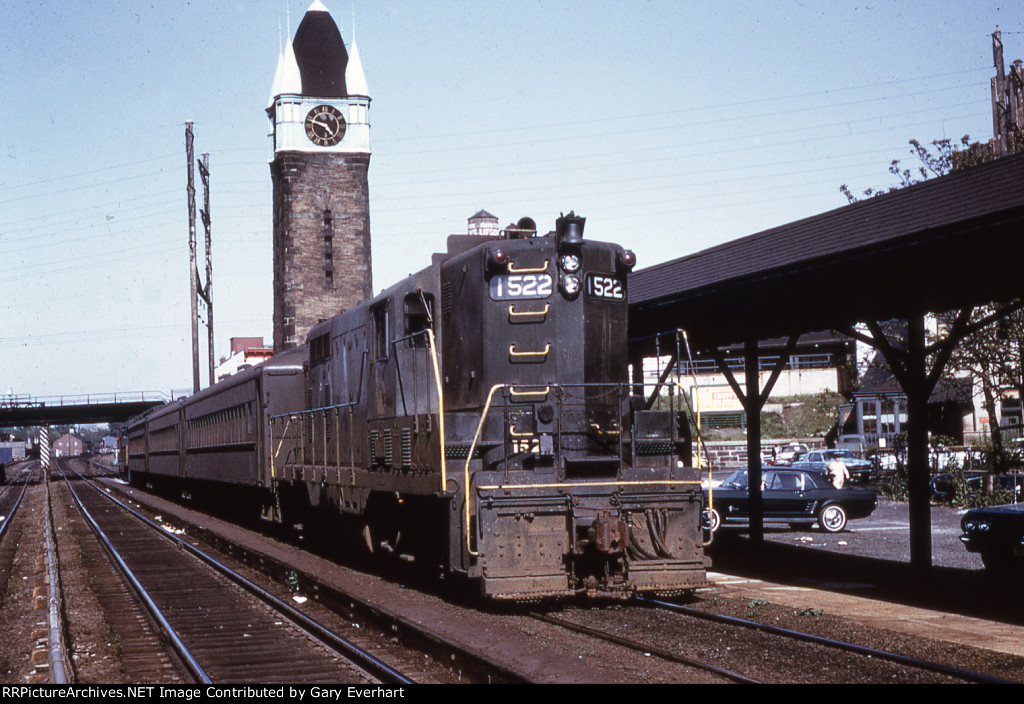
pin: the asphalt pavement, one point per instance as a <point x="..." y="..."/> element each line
<point x="885" y="535"/>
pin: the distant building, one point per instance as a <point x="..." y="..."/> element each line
<point x="246" y="352"/>
<point x="68" y="445"/>
<point x="821" y="362"/>
<point x="878" y="412"/>
<point x="12" y="450"/>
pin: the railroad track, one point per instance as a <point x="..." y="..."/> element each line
<point x="226" y="629"/>
<point x="11" y="495"/>
<point x="722" y="653"/>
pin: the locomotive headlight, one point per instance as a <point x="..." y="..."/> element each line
<point x="627" y="259"/>
<point x="569" y="262"/>
<point x="571" y="285"/>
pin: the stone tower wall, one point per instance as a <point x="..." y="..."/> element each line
<point x="316" y="278"/>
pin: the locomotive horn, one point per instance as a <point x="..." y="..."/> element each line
<point x="569" y="228"/>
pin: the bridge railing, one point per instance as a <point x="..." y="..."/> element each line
<point x="27" y="401"/>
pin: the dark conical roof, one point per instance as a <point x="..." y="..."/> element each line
<point x="320" y="54"/>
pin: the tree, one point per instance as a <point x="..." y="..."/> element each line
<point x="947" y="158"/>
<point x="916" y="362"/>
<point x="993" y="336"/>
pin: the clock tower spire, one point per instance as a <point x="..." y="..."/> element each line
<point x="318" y="110"/>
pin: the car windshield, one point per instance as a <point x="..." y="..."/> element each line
<point x="737" y="480"/>
<point x="839" y="454"/>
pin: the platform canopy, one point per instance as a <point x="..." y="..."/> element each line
<point x="945" y="243"/>
<point x="953" y="242"/>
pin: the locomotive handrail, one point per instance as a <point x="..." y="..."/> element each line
<point x="513" y="391"/>
<point x="469" y="458"/>
<point x="615" y="482"/>
<point x="440" y="407"/>
<point x="531" y="353"/>
<point x="548" y="485"/>
<point x="513" y="313"/>
<point x="538" y="270"/>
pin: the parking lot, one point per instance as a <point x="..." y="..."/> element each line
<point x="886" y="535"/>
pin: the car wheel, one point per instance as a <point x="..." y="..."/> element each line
<point x="832" y="518"/>
<point x="714" y="520"/>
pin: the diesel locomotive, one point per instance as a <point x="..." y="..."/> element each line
<point x="478" y="417"/>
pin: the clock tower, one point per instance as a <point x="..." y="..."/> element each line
<point x="318" y="112"/>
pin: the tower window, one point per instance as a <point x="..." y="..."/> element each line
<point x="327" y="232"/>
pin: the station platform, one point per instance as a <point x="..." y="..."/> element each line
<point x="883" y="615"/>
<point x="969" y="607"/>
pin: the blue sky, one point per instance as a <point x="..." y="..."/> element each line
<point x="672" y="126"/>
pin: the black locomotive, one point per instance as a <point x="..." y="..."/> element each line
<point x="477" y="416"/>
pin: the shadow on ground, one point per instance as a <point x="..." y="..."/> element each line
<point x="980" y="594"/>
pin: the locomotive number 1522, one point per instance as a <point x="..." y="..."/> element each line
<point x="600" y="286"/>
<point x="520" y="286"/>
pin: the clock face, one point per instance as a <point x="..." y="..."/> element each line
<point x="325" y="125"/>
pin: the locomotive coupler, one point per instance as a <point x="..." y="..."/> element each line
<point x="609" y="534"/>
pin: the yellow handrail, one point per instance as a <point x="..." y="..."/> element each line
<point x="563" y="485"/>
<point x="538" y="392"/>
<point x="469" y="458"/>
<point x="532" y="353"/>
<point x="513" y="313"/>
<point x="440" y="407"/>
<point x="539" y="270"/>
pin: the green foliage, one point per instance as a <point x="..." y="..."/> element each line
<point x="772" y="426"/>
<point x="807" y="416"/>
<point x="755" y="606"/>
<point x="896" y="485"/>
<point x="947" y="157"/>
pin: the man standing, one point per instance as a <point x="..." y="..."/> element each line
<point x="838" y="474"/>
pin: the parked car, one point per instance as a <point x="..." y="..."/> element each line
<point x="854" y="443"/>
<point x="943" y="485"/>
<point x="817" y="461"/>
<point x="997" y="532"/>
<point x="787" y="453"/>
<point x="792" y="496"/>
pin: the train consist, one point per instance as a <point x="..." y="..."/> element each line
<point x="477" y="417"/>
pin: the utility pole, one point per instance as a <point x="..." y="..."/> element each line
<point x="197" y="290"/>
<point x="1007" y="101"/>
<point x="207" y="291"/>
<point x="193" y="272"/>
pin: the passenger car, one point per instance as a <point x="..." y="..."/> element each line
<point x="997" y="532"/>
<point x="787" y="453"/>
<point x="943" y="486"/>
<point x="793" y="496"/>
<point x="817" y="461"/>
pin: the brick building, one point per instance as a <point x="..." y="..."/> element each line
<point x="68" y="445"/>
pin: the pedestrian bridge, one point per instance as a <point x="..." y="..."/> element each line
<point x="114" y="407"/>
